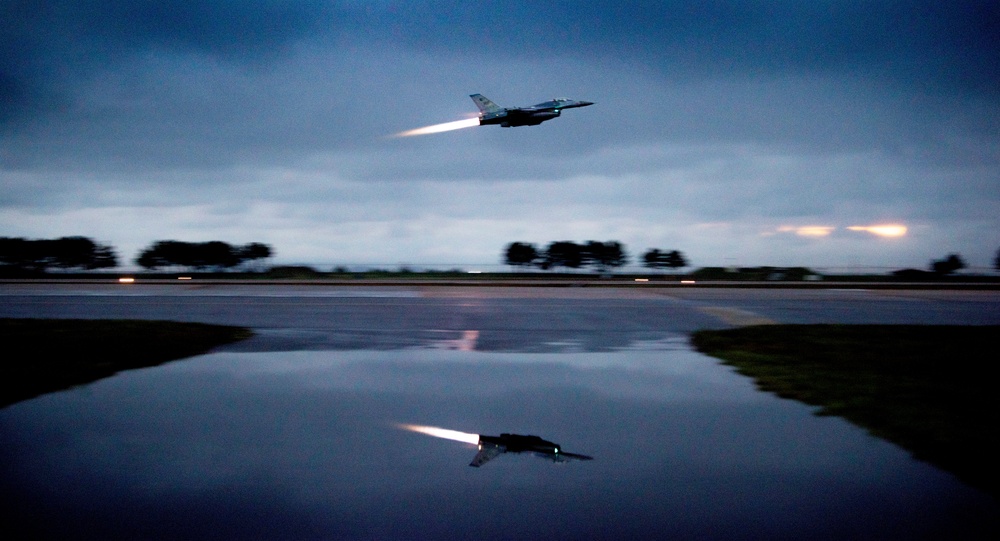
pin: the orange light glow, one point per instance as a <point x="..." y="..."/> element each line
<point x="807" y="230"/>
<point x="438" y="128"/>
<point x="455" y="435"/>
<point x="126" y="280"/>
<point x="887" y="230"/>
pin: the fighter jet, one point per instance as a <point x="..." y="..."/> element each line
<point x="509" y="117"/>
<point x="492" y="446"/>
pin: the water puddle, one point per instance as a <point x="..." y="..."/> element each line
<point x="308" y="445"/>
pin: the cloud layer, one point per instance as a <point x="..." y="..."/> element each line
<point x="720" y="129"/>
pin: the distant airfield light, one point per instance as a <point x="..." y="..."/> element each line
<point x="475" y="272"/>
<point x="687" y="281"/>
<point x="183" y="277"/>
<point x="888" y="230"/>
<point x="808" y="230"/>
<point x="438" y="128"/>
<point x="126" y="280"/>
<point x="642" y="279"/>
<point x="442" y="433"/>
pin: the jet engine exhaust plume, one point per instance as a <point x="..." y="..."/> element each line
<point x="455" y="435"/>
<point x="438" y="128"/>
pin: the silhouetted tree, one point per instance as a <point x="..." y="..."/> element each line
<point x="81" y="253"/>
<point x="25" y="255"/>
<point x="656" y="259"/>
<point x="520" y="254"/>
<point x="604" y="255"/>
<point x="652" y="259"/>
<point x="163" y="253"/>
<point x="253" y="252"/>
<point x="676" y="260"/>
<point x="563" y="254"/>
<point x="948" y="265"/>
<point x="199" y="255"/>
<point x="20" y="254"/>
<point x="996" y="261"/>
<point x="216" y="254"/>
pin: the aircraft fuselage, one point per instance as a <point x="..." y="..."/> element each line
<point x="516" y="443"/>
<point x="510" y="117"/>
<point x="492" y="446"/>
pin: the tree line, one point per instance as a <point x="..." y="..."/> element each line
<point x="939" y="267"/>
<point x="33" y="256"/>
<point x="20" y="255"/>
<point x="212" y="255"/>
<point x="602" y="256"/>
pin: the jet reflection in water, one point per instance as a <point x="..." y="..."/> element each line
<point x="492" y="446"/>
<point x="467" y="342"/>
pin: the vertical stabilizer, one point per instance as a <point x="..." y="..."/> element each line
<point x="485" y="105"/>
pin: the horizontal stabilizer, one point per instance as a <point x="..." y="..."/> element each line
<point x="486" y="453"/>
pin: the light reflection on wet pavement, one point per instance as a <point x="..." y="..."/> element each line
<point x="305" y="444"/>
<point x="295" y="435"/>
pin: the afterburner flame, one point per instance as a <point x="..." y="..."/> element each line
<point x="889" y="230"/>
<point x="443" y="433"/>
<point x="438" y="128"/>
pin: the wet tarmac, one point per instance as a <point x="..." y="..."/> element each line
<point x="505" y="318"/>
<point x="295" y="434"/>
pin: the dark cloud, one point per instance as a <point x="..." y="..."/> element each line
<point x="92" y="31"/>
<point x="724" y="113"/>
<point x="49" y="47"/>
<point x="943" y="43"/>
<point x="832" y="73"/>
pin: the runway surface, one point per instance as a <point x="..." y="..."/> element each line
<point x="290" y="317"/>
<point x="295" y="433"/>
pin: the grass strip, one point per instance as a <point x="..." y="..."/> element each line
<point x="928" y="388"/>
<point x="46" y="355"/>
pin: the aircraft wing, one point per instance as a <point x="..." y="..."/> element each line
<point x="486" y="453"/>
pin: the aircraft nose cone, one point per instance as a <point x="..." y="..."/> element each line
<point x="586" y="103"/>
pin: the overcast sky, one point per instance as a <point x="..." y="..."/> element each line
<point x="740" y="133"/>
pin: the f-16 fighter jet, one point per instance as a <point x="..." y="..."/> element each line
<point x="509" y="117"/>
<point x="491" y="446"/>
